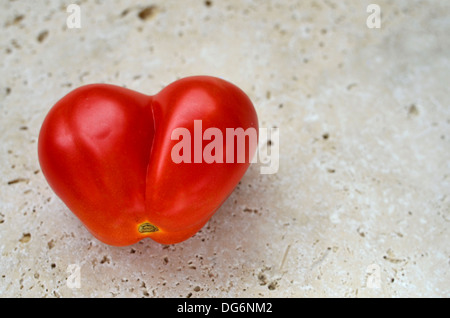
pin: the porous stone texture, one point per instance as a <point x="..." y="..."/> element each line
<point x="359" y="205"/>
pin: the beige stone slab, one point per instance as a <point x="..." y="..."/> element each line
<point x="360" y="204"/>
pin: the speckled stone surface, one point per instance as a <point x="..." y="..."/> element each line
<point x="360" y="204"/>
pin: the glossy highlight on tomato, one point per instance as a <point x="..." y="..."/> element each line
<point x="106" y="151"/>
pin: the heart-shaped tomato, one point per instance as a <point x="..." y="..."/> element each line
<point x="131" y="166"/>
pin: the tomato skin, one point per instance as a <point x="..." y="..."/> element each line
<point x="93" y="149"/>
<point x="106" y="152"/>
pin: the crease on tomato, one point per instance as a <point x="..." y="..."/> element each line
<point x="150" y="106"/>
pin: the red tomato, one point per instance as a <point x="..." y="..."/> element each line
<point x="108" y="153"/>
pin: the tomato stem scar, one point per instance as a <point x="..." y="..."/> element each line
<point x="147" y="228"/>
